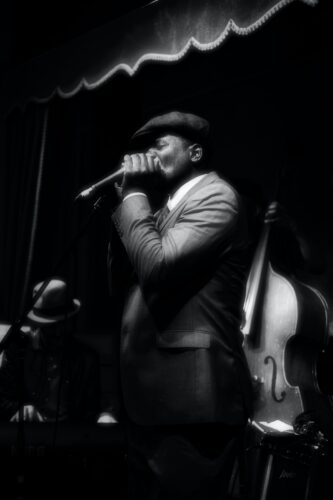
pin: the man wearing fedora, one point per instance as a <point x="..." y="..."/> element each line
<point x="61" y="375"/>
<point x="185" y="382"/>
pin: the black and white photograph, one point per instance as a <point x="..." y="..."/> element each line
<point x="166" y="250"/>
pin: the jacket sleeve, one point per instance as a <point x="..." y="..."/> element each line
<point x="205" y="228"/>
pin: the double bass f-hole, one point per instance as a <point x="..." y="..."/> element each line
<point x="273" y="383"/>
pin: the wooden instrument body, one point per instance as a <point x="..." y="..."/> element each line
<point x="283" y="349"/>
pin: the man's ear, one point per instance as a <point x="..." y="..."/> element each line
<point x="196" y="152"/>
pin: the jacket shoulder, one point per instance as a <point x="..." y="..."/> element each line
<point x="216" y="189"/>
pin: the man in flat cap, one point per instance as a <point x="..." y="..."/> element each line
<point x="185" y="381"/>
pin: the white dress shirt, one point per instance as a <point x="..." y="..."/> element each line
<point x="181" y="192"/>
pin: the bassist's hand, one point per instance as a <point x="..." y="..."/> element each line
<point x="30" y="414"/>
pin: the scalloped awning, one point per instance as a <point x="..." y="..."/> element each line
<point x="161" y="31"/>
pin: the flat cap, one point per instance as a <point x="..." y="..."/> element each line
<point x="185" y="124"/>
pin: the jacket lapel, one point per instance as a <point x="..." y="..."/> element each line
<point x="173" y="214"/>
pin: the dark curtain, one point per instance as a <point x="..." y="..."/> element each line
<point x="23" y="138"/>
<point x="86" y="136"/>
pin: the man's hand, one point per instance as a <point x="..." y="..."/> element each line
<point x="143" y="172"/>
<point x="106" y="417"/>
<point x="276" y="213"/>
<point x="30" y="414"/>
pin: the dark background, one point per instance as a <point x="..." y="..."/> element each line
<point x="269" y="99"/>
<point x="268" y="96"/>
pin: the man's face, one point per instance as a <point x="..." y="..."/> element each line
<point x="51" y="332"/>
<point x="173" y="153"/>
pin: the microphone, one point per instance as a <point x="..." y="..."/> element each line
<point x="101" y="184"/>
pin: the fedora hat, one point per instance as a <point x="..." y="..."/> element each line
<point x="188" y="125"/>
<point x="54" y="304"/>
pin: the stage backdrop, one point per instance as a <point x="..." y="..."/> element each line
<point x="163" y="31"/>
<point x="267" y="95"/>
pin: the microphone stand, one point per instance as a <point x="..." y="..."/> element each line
<point x="14" y="333"/>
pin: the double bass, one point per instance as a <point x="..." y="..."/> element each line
<point x="285" y="332"/>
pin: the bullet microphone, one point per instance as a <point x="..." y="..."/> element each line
<point x="103" y="183"/>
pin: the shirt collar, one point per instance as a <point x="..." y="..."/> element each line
<point x="180" y="193"/>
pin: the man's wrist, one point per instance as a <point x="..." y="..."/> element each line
<point x="128" y="193"/>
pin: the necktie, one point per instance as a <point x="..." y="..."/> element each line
<point x="164" y="212"/>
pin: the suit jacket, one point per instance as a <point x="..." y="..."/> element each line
<point x="181" y="347"/>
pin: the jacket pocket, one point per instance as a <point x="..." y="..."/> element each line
<point x="183" y="339"/>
